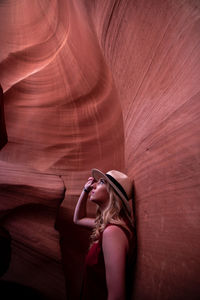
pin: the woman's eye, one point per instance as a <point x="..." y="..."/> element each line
<point x="102" y="181"/>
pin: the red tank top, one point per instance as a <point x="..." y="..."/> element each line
<point x="94" y="279"/>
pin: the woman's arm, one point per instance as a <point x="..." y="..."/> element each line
<point x="80" y="209"/>
<point x="115" y="247"/>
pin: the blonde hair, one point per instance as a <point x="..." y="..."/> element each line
<point x="114" y="214"/>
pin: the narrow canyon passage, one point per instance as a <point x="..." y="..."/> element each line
<point x="108" y="85"/>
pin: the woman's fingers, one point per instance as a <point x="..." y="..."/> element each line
<point x="88" y="184"/>
<point x="91" y="180"/>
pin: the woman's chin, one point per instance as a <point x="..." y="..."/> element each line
<point x="91" y="198"/>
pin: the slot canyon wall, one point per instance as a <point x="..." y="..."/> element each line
<point x="106" y="84"/>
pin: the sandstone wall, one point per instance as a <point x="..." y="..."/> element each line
<point x="109" y="84"/>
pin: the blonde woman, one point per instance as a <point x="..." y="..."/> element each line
<point x="109" y="260"/>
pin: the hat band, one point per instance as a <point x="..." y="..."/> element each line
<point x="118" y="185"/>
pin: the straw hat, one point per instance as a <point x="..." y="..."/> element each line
<point x="120" y="183"/>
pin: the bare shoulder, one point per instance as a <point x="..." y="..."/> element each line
<point x="115" y="234"/>
<point x="112" y="229"/>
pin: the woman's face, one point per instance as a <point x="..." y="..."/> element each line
<point x="99" y="193"/>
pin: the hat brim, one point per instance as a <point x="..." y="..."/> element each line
<point x="97" y="174"/>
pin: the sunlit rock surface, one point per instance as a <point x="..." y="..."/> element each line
<point x="106" y="84"/>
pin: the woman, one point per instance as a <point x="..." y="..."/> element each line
<point x="110" y="256"/>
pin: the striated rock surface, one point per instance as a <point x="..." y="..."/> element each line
<point x="106" y="84"/>
<point x="3" y="133"/>
<point x="28" y="210"/>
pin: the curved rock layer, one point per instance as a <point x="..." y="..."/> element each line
<point x="108" y="84"/>
<point x="55" y="77"/>
<point x="3" y="133"/>
<point x="29" y="204"/>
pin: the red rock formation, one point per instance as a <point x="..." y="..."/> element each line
<point x="3" y="133"/>
<point x="28" y="209"/>
<point x="106" y="84"/>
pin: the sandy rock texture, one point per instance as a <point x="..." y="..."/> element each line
<point x="106" y="84"/>
<point x="3" y="133"/>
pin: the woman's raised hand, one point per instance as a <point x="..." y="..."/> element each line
<point x="80" y="213"/>
<point x="88" y="185"/>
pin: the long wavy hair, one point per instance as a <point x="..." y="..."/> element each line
<point x="115" y="213"/>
